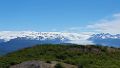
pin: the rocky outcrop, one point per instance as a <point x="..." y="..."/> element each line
<point x="41" y="64"/>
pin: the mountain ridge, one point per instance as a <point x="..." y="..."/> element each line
<point x="15" y="40"/>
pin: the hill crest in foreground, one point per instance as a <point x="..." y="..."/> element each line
<point x="89" y="56"/>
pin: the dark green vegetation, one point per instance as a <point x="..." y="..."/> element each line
<point x="89" y="56"/>
<point x="59" y="65"/>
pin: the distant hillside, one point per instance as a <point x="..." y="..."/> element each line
<point x="89" y="56"/>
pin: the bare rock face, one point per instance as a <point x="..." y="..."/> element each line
<point x="33" y="64"/>
<point x="41" y="64"/>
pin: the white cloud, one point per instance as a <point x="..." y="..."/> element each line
<point x="84" y="36"/>
<point x="117" y="15"/>
<point x="83" y="39"/>
<point x="107" y="25"/>
<point x="82" y="42"/>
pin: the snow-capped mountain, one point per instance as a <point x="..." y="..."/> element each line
<point x="14" y="40"/>
<point x="6" y="36"/>
<point x="106" y="39"/>
<point x="106" y="36"/>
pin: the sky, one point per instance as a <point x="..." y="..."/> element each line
<point x="60" y="15"/>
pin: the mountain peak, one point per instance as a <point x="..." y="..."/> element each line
<point x="8" y="35"/>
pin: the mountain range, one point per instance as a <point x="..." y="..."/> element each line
<point x="15" y="40"/>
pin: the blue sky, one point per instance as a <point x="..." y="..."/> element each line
<point x="56" y="15"/>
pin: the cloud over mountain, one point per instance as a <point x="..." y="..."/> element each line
<point x="111" y="25"/>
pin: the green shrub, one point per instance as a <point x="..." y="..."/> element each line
<point x="80" y="66"/>
<point x="59" y="65"/>
<point x="48" y="61"/>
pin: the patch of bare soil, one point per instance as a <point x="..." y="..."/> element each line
<point x="41" y="64"/>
